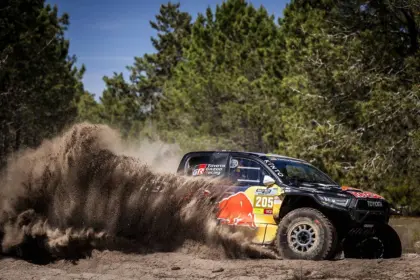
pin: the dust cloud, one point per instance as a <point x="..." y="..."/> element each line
<point x="83" y="191"/>
<point x="159" y="156"/>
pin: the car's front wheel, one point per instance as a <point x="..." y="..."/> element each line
<point x="306" y="233"/>
<point x="385" y="243"/>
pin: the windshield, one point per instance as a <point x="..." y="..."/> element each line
<point x="298" y="173"/>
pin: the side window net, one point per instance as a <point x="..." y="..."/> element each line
<point x="245" y="171"/>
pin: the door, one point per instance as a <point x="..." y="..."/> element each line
<point x="248" y="174"/>
<point x="252" y="204"/>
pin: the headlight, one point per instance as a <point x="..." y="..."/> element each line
<point x="334" y="200"/>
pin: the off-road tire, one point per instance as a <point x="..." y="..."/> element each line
<point x="325" y="235"/>
<point x="384" y="235"/>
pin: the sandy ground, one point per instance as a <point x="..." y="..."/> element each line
<point x="75" y="193"/>
<point x="202" y="263"/>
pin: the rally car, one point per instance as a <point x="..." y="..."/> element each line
<point x="296" y="208"/>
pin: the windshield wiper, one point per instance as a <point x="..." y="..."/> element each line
<point x="296" y="181"/>
<point x="302" y="182"/>
<point x="324" y="185"/>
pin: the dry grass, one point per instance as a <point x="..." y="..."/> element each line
<point x="408" y="229"/>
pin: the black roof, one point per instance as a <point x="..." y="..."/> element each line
<point x="258" y="154"/>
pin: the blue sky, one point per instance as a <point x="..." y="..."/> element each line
<point x="106" y="35"/>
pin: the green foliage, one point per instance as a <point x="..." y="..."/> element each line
<point x="225" y="86"/>
<point x="354" y="78"/>
<point x="89" y="109"/>
<point x="130" y="106"/>
<point x="39" y="85"/>
<point x="121" y="105"/>
<point x="149" y="73"/>
<point x="334" y="82"/>
<point x="406" y="197"/>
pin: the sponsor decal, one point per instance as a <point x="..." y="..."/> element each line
<point x="365" y="195"/>
<point x="263" y="204"/>
<point x="266" y="191"/>
<point x="274" y="168"/>
<point x="259" y="191"/>
<point x="376" y="203"/>
<point x="208" y="169"/>
<point x="234" y="163"/>
<point x="263" y="201"/>
<point x="268" y="211"/>
<point x="199" y="169"/>
<point x="215" y="169"/>
<point x="237" y="209"/>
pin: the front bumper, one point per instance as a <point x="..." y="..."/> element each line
<point x="362" y="210"/>
<point x="370" y="211"/>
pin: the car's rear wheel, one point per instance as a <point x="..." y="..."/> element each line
<point x="306" y="233"/>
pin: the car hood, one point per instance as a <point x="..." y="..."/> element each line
<point x="360" y="193"/>
<point x="339" y="191"/>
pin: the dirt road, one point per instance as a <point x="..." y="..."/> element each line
<point x="199" y="262"/>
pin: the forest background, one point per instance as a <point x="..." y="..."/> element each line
<point x="334" y="82"/>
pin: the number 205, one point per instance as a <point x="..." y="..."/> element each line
<point x="264" y="201"/>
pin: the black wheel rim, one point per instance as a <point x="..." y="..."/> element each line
<point x="371" y="248"/>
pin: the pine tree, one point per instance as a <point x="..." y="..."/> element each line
<point x="128" y="104"/>
<point x="226" y="87"/>
<point x="150" y="72"/>
<point x="39" y="84"/>
<point x="352" y="71"/>
<point x="121" y="105"/>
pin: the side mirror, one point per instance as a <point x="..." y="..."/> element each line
<point x="268" y="181"/>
